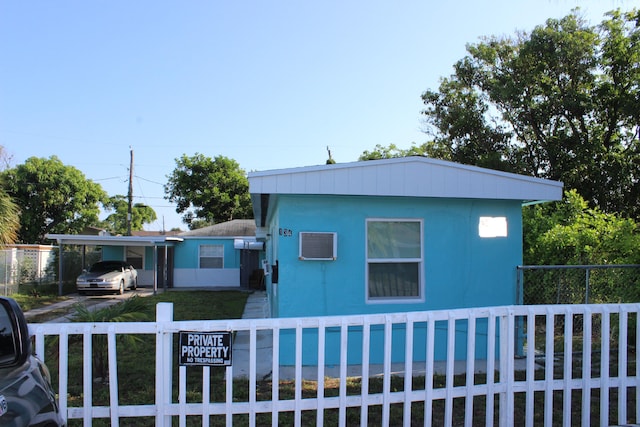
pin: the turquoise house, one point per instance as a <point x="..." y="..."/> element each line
<point x="395" y="235"/>
<point x="221" y="256"/>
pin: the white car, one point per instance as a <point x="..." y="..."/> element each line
<point x="108" y="276"/>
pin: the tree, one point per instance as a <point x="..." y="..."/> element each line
<point x="213" y="190"/>
<point x="558" y="103"/>
<point x="9" y="219"/>
<point x="5" y="158"/>
<point x="116" y="222"/>
<point x="54" y="198"/>
<point x="133" y="309"/>
<point x="392" y="151"/>
<point x="9" y="211"/>
<point x="571" y="233"/>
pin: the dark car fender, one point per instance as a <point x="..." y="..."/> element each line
<point x="26" y="395"/>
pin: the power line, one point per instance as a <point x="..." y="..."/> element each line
<point x="148" y="180"/>
<point x="107" y="179"/>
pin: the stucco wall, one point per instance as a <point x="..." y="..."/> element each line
<point x="188" y="274"/>
<point x="460" y="268"/>
<point x="187" y="253"/>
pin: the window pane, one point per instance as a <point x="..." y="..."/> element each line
<point x="399" y="239"/>
<point x="394" y="280"/>
<point x="210" y="262"/>
<point x="211" y="256"/>
<point x="211" y="250"/>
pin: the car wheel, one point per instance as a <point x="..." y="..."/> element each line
<point x="121" y="290"/>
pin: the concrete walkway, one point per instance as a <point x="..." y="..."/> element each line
<point x="257" y="307"/>
<point x="93" y="302"/>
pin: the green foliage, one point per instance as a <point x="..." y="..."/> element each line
<point x="28" y="300"/>
<point x="9" y="219"/>
<point x="135" y="374"/>
<point x="392" y="151"/>
<point x="116" y="222"/>
<point x="133" y="309"/>
<point x="558" y="103"/>
<point x="54" y="198"/>
<point x="196" y="305"/>
<point x="213" y="190"/>
<point x="569" y="232"/>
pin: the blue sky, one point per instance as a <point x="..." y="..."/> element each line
<point x="270" y="84"/>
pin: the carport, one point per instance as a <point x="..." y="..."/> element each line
<point x="155" y="242"/>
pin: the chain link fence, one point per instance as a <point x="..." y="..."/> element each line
<point x="38" y="268"/>
<point x="578" y="284"/>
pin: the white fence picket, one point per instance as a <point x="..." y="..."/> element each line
<point x="505" y="328"/>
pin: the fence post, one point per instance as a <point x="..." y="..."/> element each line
<point x="586" y="288"/>
<point x="60" y="268"/>
<point x="519" y="285"/>
<point x="164" y="363"/>
<point x="507" y="347"/>
<point x="519" y="329"/>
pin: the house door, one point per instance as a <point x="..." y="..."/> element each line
<point x="161" y="266"/>
<point x="249" y="264"/>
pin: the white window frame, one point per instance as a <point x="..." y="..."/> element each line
<point x="334" y="254"/>
<point x="419" y="261"/>
<point x="200" y="256"/>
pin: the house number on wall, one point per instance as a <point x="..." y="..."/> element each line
<point x="285" y="232"/>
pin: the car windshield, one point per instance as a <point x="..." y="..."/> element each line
<point x="105" y="267"/>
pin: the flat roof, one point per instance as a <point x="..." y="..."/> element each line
<point x="81" y="239"/>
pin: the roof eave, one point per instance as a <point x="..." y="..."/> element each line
<point x="80" y="239"/>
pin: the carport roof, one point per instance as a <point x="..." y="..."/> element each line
<point x="81" y="239"/>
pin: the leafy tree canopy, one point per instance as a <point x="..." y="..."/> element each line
<point x="558" y="103"/>
<point x="571" y="233"/>
<point x="392" y="151"/>
<point x="9" y="219"/>
<point x="116" y="222"/>
<point x="9" y="211"/>
<point x="210" y="190"/>
<point x="53" y="198"/>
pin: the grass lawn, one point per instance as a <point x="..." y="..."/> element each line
<point x="34" y="296"/>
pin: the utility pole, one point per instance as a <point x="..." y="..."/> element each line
<point x="130" y="196"/>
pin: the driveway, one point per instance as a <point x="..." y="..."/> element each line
<point x="61" y="311"/>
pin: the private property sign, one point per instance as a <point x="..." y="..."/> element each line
<point x="205" y="348"/>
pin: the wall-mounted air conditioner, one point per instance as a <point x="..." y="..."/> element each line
<point x="318" y="246"/>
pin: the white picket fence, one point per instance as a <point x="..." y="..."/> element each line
<point x="553" y="365"/>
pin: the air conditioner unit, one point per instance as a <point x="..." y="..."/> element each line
<point x="318" y="246"/>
